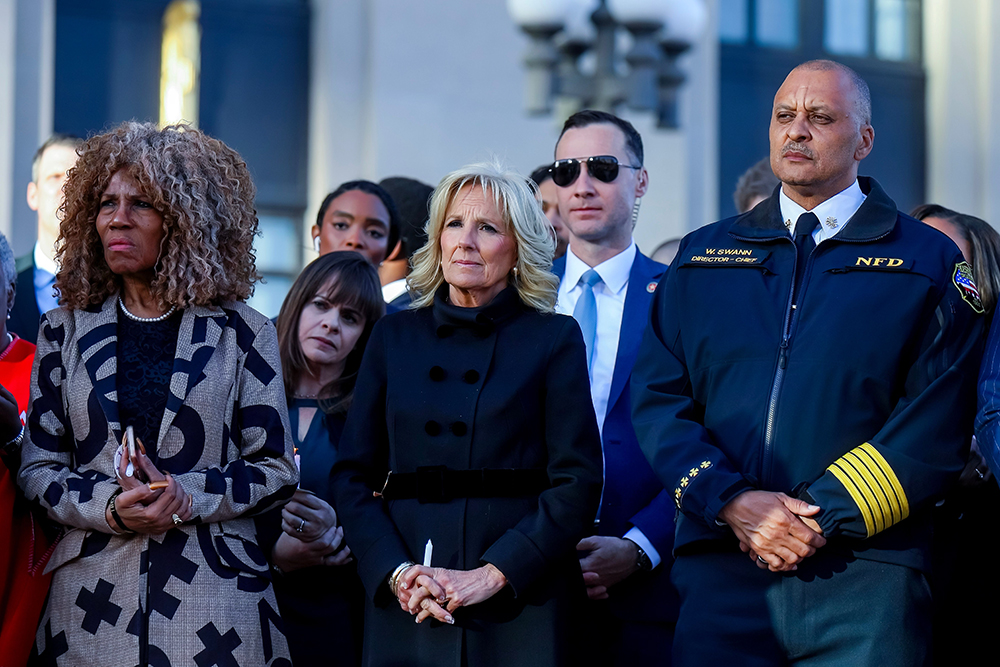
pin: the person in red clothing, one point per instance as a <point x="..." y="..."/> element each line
<point x="23" y="586"/>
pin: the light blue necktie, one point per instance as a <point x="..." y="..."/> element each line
<point x="585" y="312"/>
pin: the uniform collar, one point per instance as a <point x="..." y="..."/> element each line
<point x="482" y="320"/>
<point x="874" y="219"/>
<point x="614" y="272"/>
<point x="833" y="214"/>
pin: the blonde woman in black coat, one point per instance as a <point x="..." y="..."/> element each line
<point x="472" y="428"/>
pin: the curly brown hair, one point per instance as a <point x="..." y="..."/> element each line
<point x="205" y="194"/>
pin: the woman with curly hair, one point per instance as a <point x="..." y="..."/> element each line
<point x="157" y="424"/>
<point x="472" y="424"/>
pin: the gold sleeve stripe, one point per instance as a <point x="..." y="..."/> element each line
<point x="874" y="487"/>
<point x="859" y="500"/>
<point x="870" y="488"/>
<point x="885" y="485"/>
<point x="904" y="504"/>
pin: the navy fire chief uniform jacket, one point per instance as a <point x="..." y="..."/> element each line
<point x="860" y="400"/>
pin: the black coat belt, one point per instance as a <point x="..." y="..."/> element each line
<point x="438" y="484"/>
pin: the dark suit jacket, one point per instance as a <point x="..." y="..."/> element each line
<point x="24" y="316"/>
<point x="633" y="496"/>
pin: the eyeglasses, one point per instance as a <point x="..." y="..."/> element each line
<point x="602" y="167"/>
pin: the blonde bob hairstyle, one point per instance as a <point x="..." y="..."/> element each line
<point x="515" y="200"/>
<point x="204" y="192"/>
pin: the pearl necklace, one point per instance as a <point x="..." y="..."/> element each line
<point x="146" y="320"/>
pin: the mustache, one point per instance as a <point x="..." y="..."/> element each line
<point x="794" y="147"/>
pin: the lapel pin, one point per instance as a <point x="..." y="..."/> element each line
<point x="651" y="287"/>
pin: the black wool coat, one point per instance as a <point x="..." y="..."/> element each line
<point x="501" y="386"/>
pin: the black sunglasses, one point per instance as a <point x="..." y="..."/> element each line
<point x="602" y="167"/>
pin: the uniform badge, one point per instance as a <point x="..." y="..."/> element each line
<point x="967" y="286"/>
<point x="831" y="222"/>
<point x="651" y="287"/>
<point x="788" y="224"/>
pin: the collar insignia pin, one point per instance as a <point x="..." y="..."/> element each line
<point x="788" y="223"/>
<point x="831" y="222"/>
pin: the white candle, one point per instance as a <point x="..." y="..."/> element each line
<point x="428" y="553"/>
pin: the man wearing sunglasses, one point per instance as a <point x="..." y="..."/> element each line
<point x="607" y="284"/>
<point x="806" y="389"/>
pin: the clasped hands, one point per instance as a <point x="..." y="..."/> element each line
<point x="608" y="560"/>
<point x="143" y="509"/>
<point x="435" y="591"/>
<point x="309" y="534"/>
<point x="774" y="528"/>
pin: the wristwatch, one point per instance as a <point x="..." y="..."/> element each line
<point x="15" y="444"/>
<point x="642" y="560"/>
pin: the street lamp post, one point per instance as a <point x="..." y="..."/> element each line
<point x="562" y="31"/>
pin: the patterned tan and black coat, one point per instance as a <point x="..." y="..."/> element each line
<point x="200" y="592"/>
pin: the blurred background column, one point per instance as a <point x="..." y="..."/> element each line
<point x="963" y="95"/>
<point x="27" y="29"/>
<point x="340" y="119"/>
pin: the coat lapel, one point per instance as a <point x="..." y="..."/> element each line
<point x="559" y="267"/>
<point x="201" y="329"/>
<point x="645" y="273"/>
<point x="98" y="346"/>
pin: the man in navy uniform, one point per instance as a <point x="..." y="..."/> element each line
<point x="607" y="284"/>
<point x="805" y="390"/>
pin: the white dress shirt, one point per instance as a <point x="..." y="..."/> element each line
<point x="45" y="278"/>
<point x="393" y="290"/>
<point x="610" y="296"/>
<point x="833" y="214"/>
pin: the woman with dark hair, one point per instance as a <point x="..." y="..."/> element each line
<point x="978" y="241"/>
<point x="964" y="521"/>
<point x="358" y="216"/>
<point x="323" y="327"/>
<point x="157" y="424"/>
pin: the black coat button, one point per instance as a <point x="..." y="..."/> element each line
<point x="459" y="428"/>
<point x="472" y="377"/>
<point x="437" y="373"/>
<point x="432" y="428"/>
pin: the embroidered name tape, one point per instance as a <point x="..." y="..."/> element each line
<point x="727" y="256"/>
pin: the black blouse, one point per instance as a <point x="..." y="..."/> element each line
<point x="145" y="363"/>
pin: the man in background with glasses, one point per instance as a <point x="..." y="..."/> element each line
<point x="607" y="285"/>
